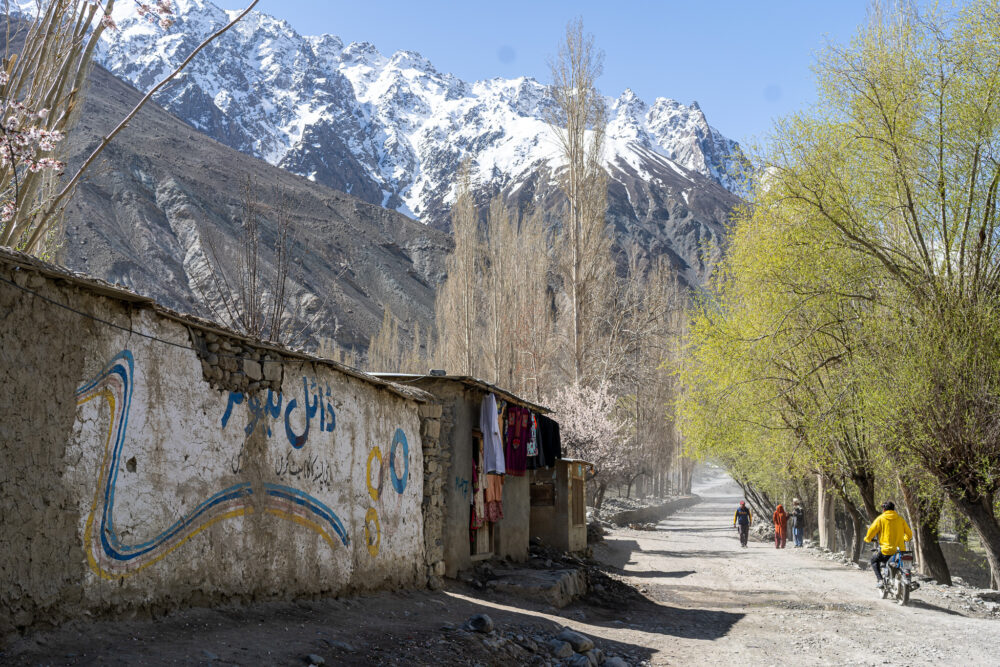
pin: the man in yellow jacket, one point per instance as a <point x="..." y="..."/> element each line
<point x="892" y="532"/>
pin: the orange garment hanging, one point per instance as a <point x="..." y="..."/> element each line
<point x="494" y="497"/>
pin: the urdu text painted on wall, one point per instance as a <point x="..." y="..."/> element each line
<point x="112" y="556"/>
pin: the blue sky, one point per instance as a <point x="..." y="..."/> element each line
<point x="744" y="62"/>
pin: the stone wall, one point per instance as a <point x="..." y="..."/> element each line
<point x="150" y="462"/>
<point x="436" y="464"/>
<point x="655" y="513"/>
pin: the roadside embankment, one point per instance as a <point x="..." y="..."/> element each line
<point x="652" y="513"/>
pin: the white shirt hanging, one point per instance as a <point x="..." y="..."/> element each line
<point x="492" y="444"/>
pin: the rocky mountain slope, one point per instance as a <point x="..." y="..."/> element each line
<point x="393" y="130"/>
<point x="163" y="191"/>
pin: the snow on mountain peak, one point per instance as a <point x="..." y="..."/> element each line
<point x="390" y="128"/>
<point x="362" y="53"/>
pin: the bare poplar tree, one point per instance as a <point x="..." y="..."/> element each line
<point x="388" y="351"/>
<point x="579" y="117"/>
<point x="383" y="348"/>
<point x="499" y="285"/>
<point x="459" y="297"/>
<point x="252" y="296"/>
<point x="532" y="329"/>
<point x="413" y="359"/>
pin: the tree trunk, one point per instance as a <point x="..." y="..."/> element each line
<point x="825" y="503"/>
<point x="687" y="466"/>
<point x="866" y="487"/>
<point x="980" y="514"/>
<point x="602" y="487"/>
<point x="856" y="527"/>
<point x="759" y="503"/>
<point x="925" y="515"/>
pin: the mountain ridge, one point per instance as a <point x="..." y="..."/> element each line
<point x="392" y="130"/>
<point x="161" y="192"/>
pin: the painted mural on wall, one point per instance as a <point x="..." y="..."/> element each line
<point x="375" y="476"/>
<point x="299" y="461"/>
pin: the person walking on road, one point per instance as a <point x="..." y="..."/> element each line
<point x="741" y="521"/>
<point x="780" y="519"/>
<point x="892" y="533"/>
<point x="798" y="520"/>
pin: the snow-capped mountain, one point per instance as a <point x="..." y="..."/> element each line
<point x="392" y="130"/>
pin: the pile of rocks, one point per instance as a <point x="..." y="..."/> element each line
<point x="595" y="531"/>
<point x="602" y="588"/>
<point x="642" y="526"/>
<point x="564" y="648"/>
<point x="763" y="530"/>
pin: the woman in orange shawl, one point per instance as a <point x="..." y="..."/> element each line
<point x="780" y="518"/>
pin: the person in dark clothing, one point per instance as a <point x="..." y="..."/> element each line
<point x="798" y="517"/>
<point x="742" y="520"/>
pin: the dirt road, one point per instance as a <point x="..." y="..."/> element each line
<point x="762" y="606"/>
<point x="695" y="598"/>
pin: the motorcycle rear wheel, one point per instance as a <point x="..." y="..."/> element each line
<point x="901" y="590"/>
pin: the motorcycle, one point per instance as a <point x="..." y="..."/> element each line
<point x="897" y="577"/>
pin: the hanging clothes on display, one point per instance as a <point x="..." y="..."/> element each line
<point x="516" y="437"/>
<point x="532" y="436"/>
<point x="536" y="457"/>
<point x="494" y="497"/>
<point x="549" y="440"/>
<point x="492" y="444"/>
<point x="478" y="501"/>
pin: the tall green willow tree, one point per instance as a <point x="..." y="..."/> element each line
<point x="773" y="353"/>
<point x="895" y="173"/>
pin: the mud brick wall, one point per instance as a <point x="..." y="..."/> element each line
<point x="158" y="465"/>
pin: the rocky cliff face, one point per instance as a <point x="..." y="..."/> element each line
<point x="392" y="130"/>
<point x="163" y="192"/>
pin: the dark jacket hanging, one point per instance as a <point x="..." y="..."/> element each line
<point x="548" y="439"/>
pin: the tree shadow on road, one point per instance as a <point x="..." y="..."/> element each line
<point x="648" y="616"/>
<point x="658" y="574"/>
<point x="691" y="554"/>
<point x="697" y="529"/>
<point x="923" y="604"/>
<point x="617" y="553"/>
<point x="614" y="603"/>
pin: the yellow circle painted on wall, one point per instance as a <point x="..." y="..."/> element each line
<point x="375" y="491"/>
<point x="371" y="517"/>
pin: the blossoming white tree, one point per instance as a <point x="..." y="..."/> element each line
<point x="42" y="80"/>
<point x="592" y="430"/>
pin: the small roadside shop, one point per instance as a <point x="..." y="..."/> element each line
<point x="492" y="441"/>
<point x="558" y="504"/>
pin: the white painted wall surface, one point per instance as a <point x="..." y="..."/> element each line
<point x="173" y="501"/>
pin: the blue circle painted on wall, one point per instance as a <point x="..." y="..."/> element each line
<point x="399" y="483"/>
